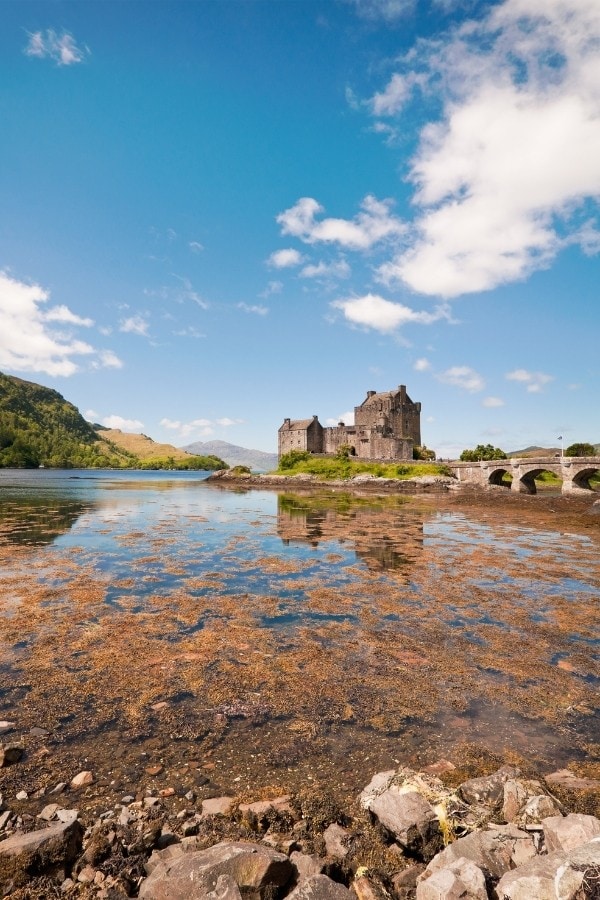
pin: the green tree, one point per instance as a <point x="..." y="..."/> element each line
<point x="423" y="453"/>
<point x="482" y="451"/>
<point x="289" y="460"/>
<point x="581" y="449"/>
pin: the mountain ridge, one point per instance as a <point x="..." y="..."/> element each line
<point x="234" y="455"/>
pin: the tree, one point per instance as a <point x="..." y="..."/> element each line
<point x="482" y="451"/>
<point x="423" y="453"/>
<point x="582" y="449"/>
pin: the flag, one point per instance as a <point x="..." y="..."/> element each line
<point x="559" y="438"/>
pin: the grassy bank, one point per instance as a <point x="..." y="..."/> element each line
<point x="336" y="468"/>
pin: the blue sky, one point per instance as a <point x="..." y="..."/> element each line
<point x="214" y="215"/>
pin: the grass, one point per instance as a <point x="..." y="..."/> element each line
<point x="333" y="468"/>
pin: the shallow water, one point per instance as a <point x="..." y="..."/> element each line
<point x="278" y="633"/>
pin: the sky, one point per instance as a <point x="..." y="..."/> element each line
<point x="215" y="215"/>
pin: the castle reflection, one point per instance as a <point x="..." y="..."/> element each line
<point x="382" y="532"/>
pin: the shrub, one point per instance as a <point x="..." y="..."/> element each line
<point x="581" y="449"/>
<point x="291" y="459"/>
<point x="482" y="451"/>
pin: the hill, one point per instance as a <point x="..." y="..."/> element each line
<point x="257" y="460"/>
<point x="38" y="427"/>
<point x="533" y="452"/>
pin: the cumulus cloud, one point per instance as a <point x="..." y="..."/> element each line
<point x="463" y="377"/>
<point x="347" y="418"/>
<point x="121" y="423"/>
<point x="492" y="402"/>
<point x="273" y="287"/>
<point x="534" y="381"/>
<point x="107" y="360"/>
<point x="196" y="246"/>
<point x="135" y="325"/>
<point x="337" y="269"/>
<point x="422" y="364"/>
<point x="61" y="48"/>
<point x="387" y="10"/>
<point x="198" y="427"/>
<point x="284" y="259"/>
<point x="373" y="224"/>
<point x="501" y="177"/>
<point x="29" y="339"/>
<point x="373" y="311"/>
<point x="255" y="309"/>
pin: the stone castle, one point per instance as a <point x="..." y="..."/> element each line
<point x="386" y="426"/>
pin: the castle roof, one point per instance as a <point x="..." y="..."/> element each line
<point x="296" y="424"/>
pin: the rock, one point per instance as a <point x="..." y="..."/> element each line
<point x="60" y="787"/>
<point x="410" y="818"/>
<point x="569" y="832"/>
<point x="495" y="851"/>
<point x="336" y="838"/>
<point x="405" y="882"/>
<point x="489" y="789"/>
<point x="10" y="754"/>
<point x="87" y="875"/>
<point x="50" y="851"/>
<point x="439" y="767"/>
<point x="49" y="812"/>
<point x="22" y="795"/>
<point x="36" y="731"/>
<point x="320" y="887"/>
<point x="460" y="880"/>
<point x="366" y="887"/>
<point x="258" y="813"/>
<point x="154" y="770"/>
<point x="217" y="806"/>
<point x="67" y="815"/>
<point x="306" y="865"/>
<point x="566" y="779"/>
<point x="83" y="779"/>
<point x="524" y="801"/>
<point x="568" y="876"/>
<point x="254" y="868"/>
<point x="7" y="726"/>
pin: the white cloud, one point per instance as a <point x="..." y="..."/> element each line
<point x="134" y="325"/>
<point x="273" y="287"/>
<point x="373" y="311"/>
<point x="516" y="154"/>
<point x="59" y="47"/>
<point x="337" y="269"/>
<point x="422" y="365"/>
<point x="395" y="95"/>
<point x="534" y="381"/>
<point x="121" y="423"/>
<point x="347" y="418"/>
<point x="256" y="309"/>
<point x="492" y="402"/>
<point x="189" y="331"/>
<point x="284" y="259"/>
<point x="28" y="341"/>
<point x="375" y="223"/>
<point x="388" y="10"/>
<point x="107" y="360"/>
<point x="199" y="427"/>
<point x="463" y="377"/>
<point x="226" y="422"/>
<point x="196" y="246"/>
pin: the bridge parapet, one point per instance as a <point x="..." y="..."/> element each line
<point x="575" y="472"/>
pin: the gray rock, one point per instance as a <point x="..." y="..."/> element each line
<point x="259" y="812"/>
<point x="5" y="817"/>
<point x="567" y="876"/>
<point x="10" y="754"/>
<point x="254" y="868"/>
<point x="319" y="887"/>
<point x="217" y="806"/>
<point x="50" y="851"/>
<point x="336" y="841"/>
<point x="566" y="779"/>
<point x="495" y="851"/>
<point x="460" y="880"/>
<point x="569" y="832"/>
<point x="525" y="801"/>
<point x="538" y="808"/>
<point x="410" y="818"/>
<point x="49" y="812"/>
<point x="306" y="865"/>
<point x="6" y="726"/>
<point x="489" y="789"/>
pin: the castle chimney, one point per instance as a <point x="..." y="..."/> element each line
<point x="286" y="421"/>
<point x="370" y="394"/>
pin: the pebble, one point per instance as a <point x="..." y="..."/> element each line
<point x="154" y="770"/>
<point x="82" y="780"/>
<point x="22" y="795"/>
<point x="49" y="812"/>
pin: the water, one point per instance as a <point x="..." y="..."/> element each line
<point x="289" y="633"/>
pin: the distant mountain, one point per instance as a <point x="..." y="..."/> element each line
<point x="257" y="460"/>
<point x="544" y="451"/>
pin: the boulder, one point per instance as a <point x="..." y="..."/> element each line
<point x="10" y="753"/>
<point x="306" y="865"/>
<point x="568" y="876"/>
<point x="526" y="802"/>
<point x="320" y="887"/>
<point x="336" y="841"/>
<point x="495" y="851"/>
<point x="489" y="789"/>
<point x="258" y="813"/>
<point x="569" y="832"/>
<point x="460" y="880"/>
<point x="394" y="799"/>
<point x="217" y="806"/>
<point x="256" y="870"/>
<point x="49" y="851"/>
<point x="566" y="779"/>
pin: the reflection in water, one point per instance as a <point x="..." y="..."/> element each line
<point x="38" y="521"/>
<point x="384" y="534"/>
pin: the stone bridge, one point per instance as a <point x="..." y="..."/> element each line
<point x="575" y="472"/>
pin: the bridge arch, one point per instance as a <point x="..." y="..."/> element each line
<point x="496" y="476"/>
<point x="581" y="479"/>
<point x="524" y="481"/>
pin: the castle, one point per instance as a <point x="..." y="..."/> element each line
<point x="386" y="426"/>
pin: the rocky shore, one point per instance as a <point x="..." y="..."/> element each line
<point x="419" y="484"/>
<point x="427" y="835"/>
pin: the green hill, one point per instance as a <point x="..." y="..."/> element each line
<point x="38" y="427"/>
